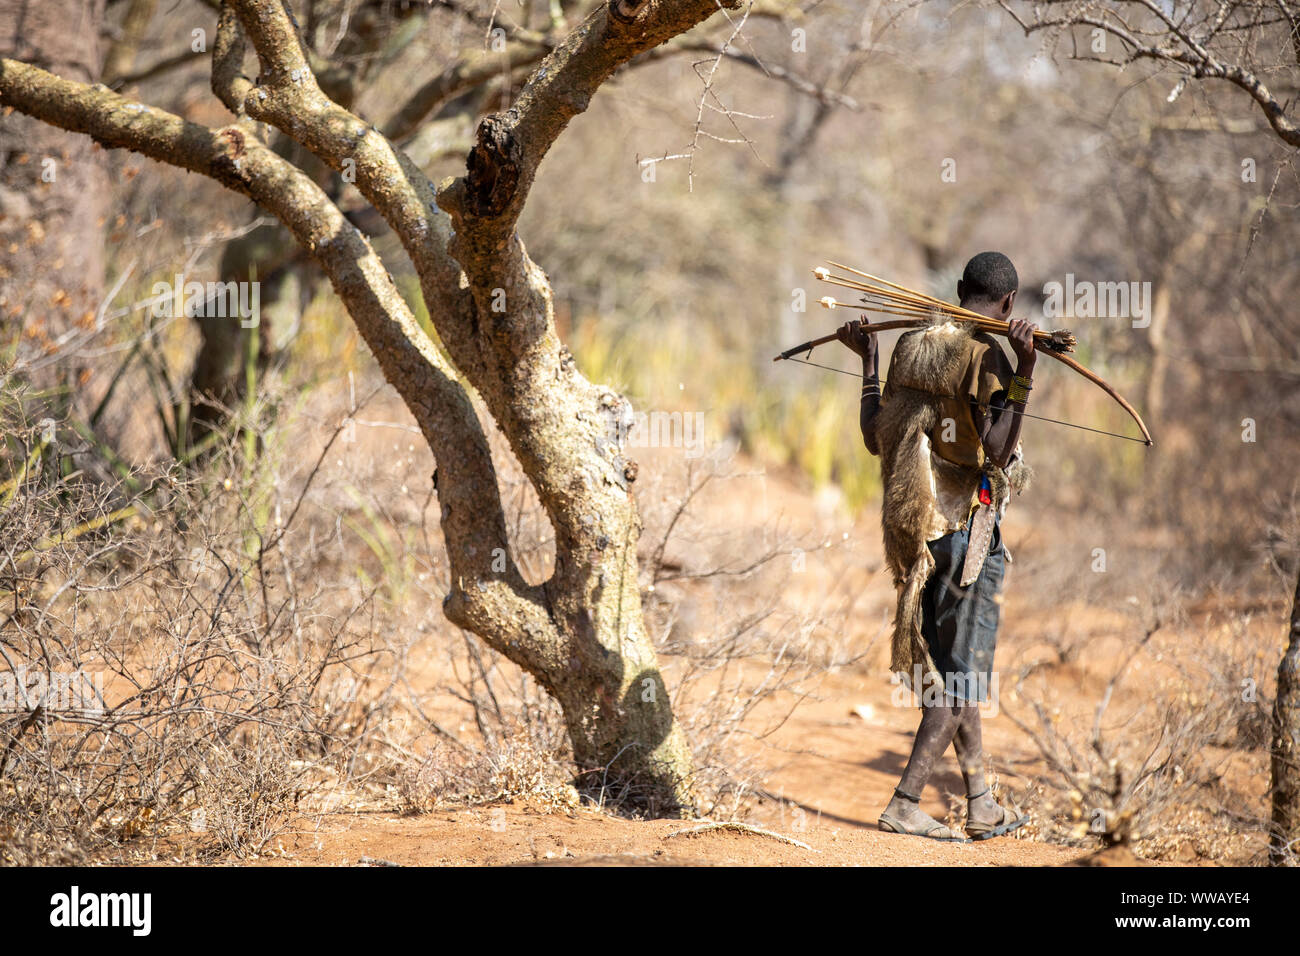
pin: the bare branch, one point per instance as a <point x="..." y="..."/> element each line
<point x="1163" y="39"/>
<point x="234" y="157"/>
<point x="465" y="74"/>
<point x="511" y="145"/>
<point x="795" y="81"/>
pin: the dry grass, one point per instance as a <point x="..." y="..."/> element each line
<point x="1153" y="731"/>
<point x="264" y="634"/>
<point x="208" y="688"/>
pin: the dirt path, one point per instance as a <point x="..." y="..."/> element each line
<point x="833" y="772"/>
<point x="830" y="766"/>
<point x="519" y="834"/>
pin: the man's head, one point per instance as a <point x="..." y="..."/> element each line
<point x="988" y="285"/>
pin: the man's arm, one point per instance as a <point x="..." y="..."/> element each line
<point x="1000" y="430"/>
<point x="858" y="337"/>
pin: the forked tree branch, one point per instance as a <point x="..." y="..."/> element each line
<point x="486" y="203"/>
<point x="473" y="521"/>
<point x="288" y="97"/>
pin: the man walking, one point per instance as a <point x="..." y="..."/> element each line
<point x="946" y="426"/>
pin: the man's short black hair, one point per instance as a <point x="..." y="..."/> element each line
<point x="988" y="277"/>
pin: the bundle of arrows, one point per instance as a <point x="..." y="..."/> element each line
<point x="916" y="309"/>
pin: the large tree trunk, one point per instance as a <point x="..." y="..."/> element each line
<point x="565" y="432"/>
<point x="1284" y="847"/>
<point x="53" y="186"/>
<point x="583" y="638"/>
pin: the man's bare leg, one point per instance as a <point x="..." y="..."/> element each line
<point x="968" y="742"/>
<point x="939" y="722"/>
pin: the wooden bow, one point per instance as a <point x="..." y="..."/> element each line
<point x="1105" y="386"/>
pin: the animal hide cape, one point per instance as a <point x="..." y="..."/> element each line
<point x="933" y="374"/>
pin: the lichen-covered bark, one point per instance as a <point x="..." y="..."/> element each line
<point x="498" y="327"/>
<point x="217" y="379"/>
<point x="559" y="424"/>
<point x="1284" y="847"/>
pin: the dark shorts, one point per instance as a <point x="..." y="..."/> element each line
<point x="960" y="625"/>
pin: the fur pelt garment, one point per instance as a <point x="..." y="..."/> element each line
<point x="927" y="375"/>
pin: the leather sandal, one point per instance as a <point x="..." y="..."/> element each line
<point x="1010" y="820"/>
<point x="931" y="829"/>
